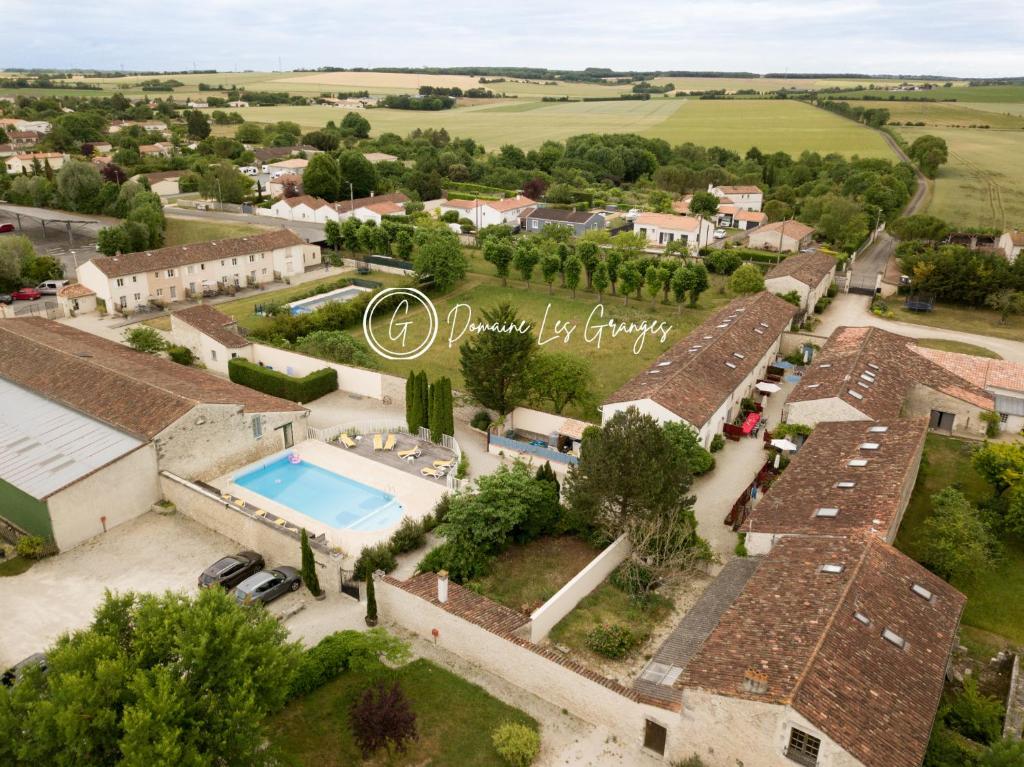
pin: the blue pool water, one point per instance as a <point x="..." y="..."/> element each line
<point x="309" y="304"/>
<point x="330" y="498"/>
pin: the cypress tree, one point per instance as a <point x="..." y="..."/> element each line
<point x="371" y="601"/>
<point x="308" y="571"/>
<point x="424" y="392"/>
<point x="447" y="407"/>
<point x="436" y="415"/>
<point x="410" y="387"/>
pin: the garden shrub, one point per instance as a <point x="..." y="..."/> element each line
<point x="409" y="535"/>
<point x="438" y="515"/>
<point x="822" y="304"/>
<point x="516" y="743"/>
<point x="975" y="715"/>
<point x="633" y="578"/>
<point x="181" y="354"/>
<point x="273" y="382"/>
<point x="717" y="443"/>
<point x="992" y="421"/>
<point x="342" y="651"/>
<point x="380" y="556"/>
<point x="612" y="641"/>
<point x="31" y="547"/>
<point x="833" y="290"/>
<point x="481" y="420"/>
<point x="722" y="262"/>
<point x="741" y="545"/>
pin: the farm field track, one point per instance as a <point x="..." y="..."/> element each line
<point x="983" y="182"/>
<point x="953" y="114"/>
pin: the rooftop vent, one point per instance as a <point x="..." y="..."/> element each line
<point x="862" y="618"/>
<point x="921" y="591"/>
<point x="827" y="511"/>
<point x="813" y="386"/>
<point x="878" y="429"/>
<point x="666" y="363"/>
<point x="873" y="366"/>
<point x="855" y="394"/>
<point x="759" y="331"/>
<point x="763" y="324"/>
<point x="845" y="485"/>
<point x="825" y="365"/>
<point x="708" y="338"/>
<point x="739" y="355"/>
<point x="730" y="365"/>
<point x="858" y="462"/>
<point x="833" y="568"/>
<point x="891" y="636"/>
<point x="869" y="446"/>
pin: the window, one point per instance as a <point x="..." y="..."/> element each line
<point x="921" y="591"/>
<point x="731" y="365"/>
<point x="739" y="355"/>
<point x="159" y="291"/>
<point x="174" y="292"/>
<point x="869" y="446"/>
<point x="234" y="262"/>
<point x="803" y="748"/>
<point x="873" y="366"/>
<point x="855" y="394"/>
<point x="257" y="427"/>
<point x="832" y="569"/>
<point x="862" y="618"/>
<point x="192" y="270"/>
<point x="891" y="636"/>
<point x="135" y="278"/>
<point x="845" y="485"/>
<point x="878" y="429"/>
<point x="213" y="354"/>
<point x="252" y="259"/>
<point x="138" y="296"/>
<point x="170" y="272"/>
<point x="123" y="301"/>
<point x="156" y="274"/>
<point x="120" y="282"/>
<point x="1004" y="417"/>
<point x="655" y="736"/>
<point x="827" y="511"/>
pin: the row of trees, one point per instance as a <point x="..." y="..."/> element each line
<point x="956" y="274"/>
<point x="429" y="405"/>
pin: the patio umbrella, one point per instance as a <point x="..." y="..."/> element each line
<point x="784" y="444"/>
<point x="767" y="386"/>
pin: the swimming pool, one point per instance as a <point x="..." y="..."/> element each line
<point x="307" y="305"/>
<point x="331" y="498"/>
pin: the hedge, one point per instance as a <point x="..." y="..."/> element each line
<point x="305" y="389"/>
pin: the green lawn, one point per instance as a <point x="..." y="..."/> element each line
<point x="983" y="182"/>
<point x="526" y="576"/>
<point x="15" y="566"/>
<point x="182" y="231"/>
<point x="947" y="345"/>
<point x="613" y="363"/>
<point x="454" y="719"/>
<point x="967" y="319"/>
<point x="993" y="598"/>
<point x="608" y="605"/>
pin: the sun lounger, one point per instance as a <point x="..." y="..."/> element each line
<point x="426" y="471"/>
<point x="390" y="443"/>
<point x="260" y="513"/>
<point x="346" y="440"/>
<point x="444" y="464"/>
<point x="410" y="454"/>
<point x="378" y="442"/>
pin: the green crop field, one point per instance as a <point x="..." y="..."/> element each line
<point x="952" y="114"/>
<point x="983" y="182"/>
<point x="984" y="94"/>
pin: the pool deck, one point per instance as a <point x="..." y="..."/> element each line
<point x="417" y="494"/>
<point x="346" y="293"/>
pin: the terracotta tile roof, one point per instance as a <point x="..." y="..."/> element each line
<point x="698" y="374"/>
<point x="682" y="205"/>
<point x="798" y="625"/>
<point x="667" y="221"/>
<point x="791" y="228"/>
<point x="750" y="215"/>
<point x="742" y="189"/>
<point x="304" y="199"/>
<point x="727" y="208"/>
<point x="194" y="253"/>
<point x="75" y="290"/>
<point x="509" y="203"/>
<point x="980" y="371"/>
<point x="462" y="204"/>
<point x="137" y="393"/>
<point x="153" y="148"/>
<point x="386" y="208"/>
<point x="346" y="206"/>
<point x="854" y="356"/>
<point x="163" y="175"/>
<point x="873" y="505"/>
<point x="379" y="157"/>
<point x="267" y="154"/>
<point x="287" y="178"/>
<point x="217" y="325"/>
<point x="294" y="162"/>
<point x="39" y="155"/>
<point x="808" y="268"/>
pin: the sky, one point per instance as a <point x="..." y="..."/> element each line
<point x="965" y="38"/>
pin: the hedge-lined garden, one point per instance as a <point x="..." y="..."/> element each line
<point x="273" y="382"/>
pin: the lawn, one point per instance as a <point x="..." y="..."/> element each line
<point x="525" y="576"/>
<point x="613" y="362"/>
<point x="182" y="231"/>
<point x="982" y="185"/>
<point x="454" y="719"/>
<point x="608" y="605"/>
<point x="15" y="566"/>
<point x="947" y="345"/>
<point x="994" y="597"/>
<point x="967" y="319"/>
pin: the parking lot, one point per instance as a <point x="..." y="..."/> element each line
<point x="154" y="553"/>
<point x="70" y="243"/>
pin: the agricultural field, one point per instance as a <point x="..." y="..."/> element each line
<point x="953" y="115"/>
<point x="983" y="183"/>
<point x="992" y="94"/>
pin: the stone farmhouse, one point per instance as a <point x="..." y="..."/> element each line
<point x="809" y="274"/>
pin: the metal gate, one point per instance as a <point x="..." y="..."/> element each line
<point x="865" y="286"/>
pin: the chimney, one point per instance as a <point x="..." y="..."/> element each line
<point x="372" y="193"/>
<point x="442" y="586"/>
<point x="755" y="681"/>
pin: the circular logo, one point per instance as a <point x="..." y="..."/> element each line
<point x="398" y="324"/>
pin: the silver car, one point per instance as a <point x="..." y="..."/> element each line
<point x="267" y="585"/>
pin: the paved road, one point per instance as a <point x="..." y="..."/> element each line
<point x="305" y="229"/>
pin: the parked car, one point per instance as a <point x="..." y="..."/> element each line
<point x="6" y="228"/>
<point x="249" y="170"/>
<point x="5" y="298"/>
<point x="50" y="287"/>
<point x="231" y="570"/>
<point x="267" y="585"/>
<point x="720" y="234"/>
<point x="26" y="294"/>
<point x="14" y="674"/>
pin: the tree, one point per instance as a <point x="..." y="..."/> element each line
<point x="495" y="364"/>
<point x="704" y="204"/>
<point x="1005" y="753"/>
<point x="309" y="576"/>
<point x="499" y="252"/>
<point x="221" y="181"/>
<point x="600" y="280"/>
<point x="549" y="268"/>
<point x="249" y="133"/>
<point x="561" y="379"/>
<point x="439" y="255"/>
<point x="974" y="714"/>
<point x="412" y="417"/>
<point x="15" y="250"/>
<point x="686" y="440"/>
<point x="196" y="124"/>
<point x="929" y="152"/>
<point x="1006" y="302"/>
<point x="79" y="183"/>
<point x="525" y="257"/>
<point x="747" y="279"/>
<point x="354" y="124"/>
<point x="572" y="268"/>
<point x="698" y="281"/>
<point x="36" y="269"/>
<point x="589" y="255"/>
<point x="358" y="171"/>
<point x="143" y="338"/>
<point x="1002" y="466"/>
<point x="160" y="680"/>
<point x="371" y="601"/>
<point x="655" y="279"/>
<point x="954" y="542"/>
<point x="630" y="279"/>
<point x="382" y="718"/>
<point x="322" y="177"/>
<point x="920" y="227"/>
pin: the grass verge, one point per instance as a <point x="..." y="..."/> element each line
<point x="454" y="719"/>
<point x="982" y="322"/>
<point x="182" y="231"/>
<point x="15" y="566"/>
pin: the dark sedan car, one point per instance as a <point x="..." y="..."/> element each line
<point x="230" y="571"/>
<point x="268" y="585"/>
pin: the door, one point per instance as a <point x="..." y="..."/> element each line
<point x="289" y="438"/>
<point x="941" y="420"/>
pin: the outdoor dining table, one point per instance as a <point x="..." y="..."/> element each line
<point x="751" y="422"/>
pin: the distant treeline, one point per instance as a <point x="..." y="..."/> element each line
<point x="44" y="82"/>
<point x="876" y="118"/>
<point x="456" y="92"/>
<point x="590" y="74"/>
<point x="421" y="103"/>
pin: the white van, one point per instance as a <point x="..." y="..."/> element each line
<point x="249" y="170"/>
<point x="50" y="287"/>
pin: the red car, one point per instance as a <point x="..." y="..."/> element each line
<point x="26" y="294"/>
<point x="5" y="228"/>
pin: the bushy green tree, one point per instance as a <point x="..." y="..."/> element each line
<point x="322" y="177"/>
<point x="955" y="543"/>
<point x="309" y="576"/>
<point x="1002" y="466"/>
<point x="747" y="279"/>
<point x="439" y="254"/>
<point x="338" y="346"/>
<point x="197" y="125"/>
<point x="495" y="364"/>
<point x="143" y="338"/>
<point x="686" y="440"/>
<point x="704" y="204"/>
<point x="560" y="379"/>
<point x="499" y="252"/>
<point x="929" y="152"/>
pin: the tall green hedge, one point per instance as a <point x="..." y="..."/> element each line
<point x="305" y="389"/>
